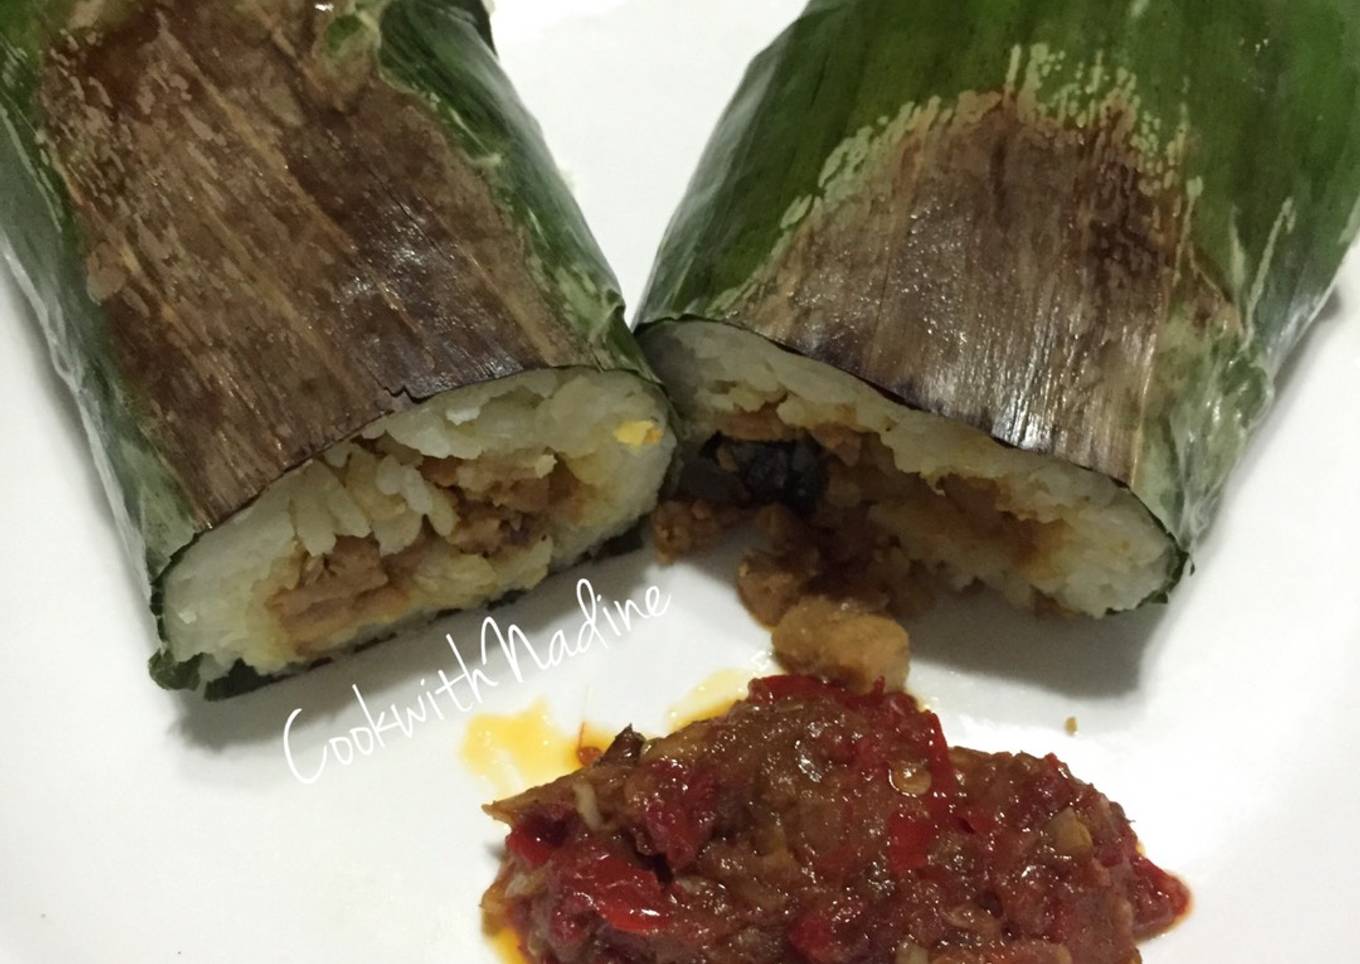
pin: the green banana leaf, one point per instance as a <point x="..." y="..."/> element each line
<point x="249" y="229"/>
<point x="1093" y="230"/>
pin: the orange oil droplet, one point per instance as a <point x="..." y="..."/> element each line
<point x="712" y="697"/>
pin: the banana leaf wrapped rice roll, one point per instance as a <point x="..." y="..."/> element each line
<point x="346" y="352"/>
<point x="1000" y="290"/>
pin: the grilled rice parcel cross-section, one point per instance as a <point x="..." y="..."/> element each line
<point x="346" y="351"/>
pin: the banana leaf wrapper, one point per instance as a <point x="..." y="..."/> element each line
<point x="1092" y="231"/>
<point x="250" y="229"/>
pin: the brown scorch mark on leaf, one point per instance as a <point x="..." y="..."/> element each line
<point x="997" y="267"/>
<point x="285" y="251"/>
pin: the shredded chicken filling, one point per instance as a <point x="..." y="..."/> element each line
<point x="496" y="507"/>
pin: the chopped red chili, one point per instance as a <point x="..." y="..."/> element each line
<point x="811" y="824"/>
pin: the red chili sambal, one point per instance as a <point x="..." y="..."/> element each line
<point x="810" y="824"/>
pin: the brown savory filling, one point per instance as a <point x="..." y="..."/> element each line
<point x="811" y="825"/>
<point x="495" y="506"/>
<point x="841" y="520"/>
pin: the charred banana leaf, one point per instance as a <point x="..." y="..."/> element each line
<point x="1090" y="232"/>
<point x="260" y="232"/>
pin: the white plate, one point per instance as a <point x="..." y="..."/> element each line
<point x="138" y="826"/>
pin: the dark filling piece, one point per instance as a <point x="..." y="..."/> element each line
<point x="809" y="824"/>
<point x="736" y="472"/>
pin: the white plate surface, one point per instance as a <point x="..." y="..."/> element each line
<point x="139" y="826"/>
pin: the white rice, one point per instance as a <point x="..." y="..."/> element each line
<point x="609" y="429"/>
<point x="1111" y="555"/>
